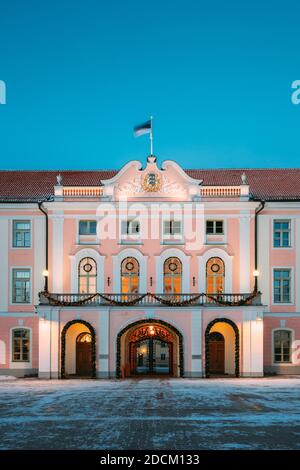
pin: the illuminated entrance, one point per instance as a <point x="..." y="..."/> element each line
<point x="149" y="348"/>
<point x="151" y="356"/>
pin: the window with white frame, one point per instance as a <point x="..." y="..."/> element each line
<point x="87" y="227"/>
<point x="282" y="233"/>
<point x="172" y="227"/>
<point x="21" y="234"/>
<point x="21" y="286"/>
<point x="87" y="276"/>
<point x="214" y="227"/>
<point x="20" y="345"/>
<point x="282" y="284"/>
<point x="282" y="341"/>
<point x="130" y="227"/>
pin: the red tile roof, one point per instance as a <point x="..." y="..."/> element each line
<point x="266" y="184"/>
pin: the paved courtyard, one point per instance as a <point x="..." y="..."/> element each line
<point x="150" y="414"/>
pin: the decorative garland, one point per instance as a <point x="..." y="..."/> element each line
<point x="127" y="303"/>
<point x="176" y="303"/>
<point x="230" y="304"/>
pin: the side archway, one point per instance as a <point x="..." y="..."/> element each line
<point x="236" y="345"/>
<point x="149" y="321"/>
<point x="63" y="346"/>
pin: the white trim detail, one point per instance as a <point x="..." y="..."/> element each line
<point x="4" y="264"/>
<point x="244" y="252"/>
<point x="159" y="269"/>
<point x="2" y="352"/>
<point x="57" y="254"/>
<point x="74" y="262"/>
<point x="202" y="260"/>
<point x="117" y="260"/>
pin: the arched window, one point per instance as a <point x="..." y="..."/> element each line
<point x="282" y="345"/>
<point x="215" y="271"/>
<point x="87" y="276"/>
<point x="20" y="345"/>
<point x="172" y="276"/>
<point x="130" y="272"/>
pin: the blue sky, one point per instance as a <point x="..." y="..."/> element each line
<point x="216" y="76"/>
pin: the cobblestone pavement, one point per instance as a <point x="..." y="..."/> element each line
<point x="150" y="414"/>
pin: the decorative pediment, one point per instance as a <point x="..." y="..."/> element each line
<point x="134" y="181"/>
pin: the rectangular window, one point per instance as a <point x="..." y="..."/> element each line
<point x="20" y="286"/>
<point x="282" y="346"/>
<point x="282" y="285"/>
<point x="172" y="227"/>
<point x="87" y="227"/>
<point x="282" y="234"/>
<point x="21" y="234"/>
<point x="20" y="345"/>
<point x="214" y="227"/>
<point x="130" y="227"/>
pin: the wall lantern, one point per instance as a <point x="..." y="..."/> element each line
<point x="46" y="275"/>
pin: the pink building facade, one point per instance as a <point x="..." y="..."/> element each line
<point x="150" y="270"/>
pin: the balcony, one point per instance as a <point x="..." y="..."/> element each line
<point x="149" y="299"/>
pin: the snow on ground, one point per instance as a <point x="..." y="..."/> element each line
<point x="150" y="414"/>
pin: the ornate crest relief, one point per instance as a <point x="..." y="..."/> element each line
<point x="152" y="182"/>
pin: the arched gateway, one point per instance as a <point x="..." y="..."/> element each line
<point x="222" y="348"/>
<point x="149" y="347"/>
<point x="78" y="349"/>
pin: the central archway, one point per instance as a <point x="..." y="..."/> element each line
<point x="142" y="338"/>
<point x="208" y="349"/>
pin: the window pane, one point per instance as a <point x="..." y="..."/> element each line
<point x="87" y="227"/>
<point x="176" y="227"/>
<point x="21" y="234"/>
<point x="209" y="226"/>
<point x="219" y="226"/>
<point x="21" y="286"/>
<point x="21" y="344"/>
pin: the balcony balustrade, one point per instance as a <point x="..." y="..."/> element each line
<point x="149" y="299"/>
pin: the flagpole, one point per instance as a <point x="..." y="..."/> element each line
<point x="151" y="137"/>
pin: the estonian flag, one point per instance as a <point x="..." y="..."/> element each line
<point x="142" y="129"/>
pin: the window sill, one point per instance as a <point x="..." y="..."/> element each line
<point x="130" y="242"/>
<point x="283" y="304"/>
<point x="282" y="247"/>
<point x="21" y="247"/>
<point x="87" y="243"/>
<point x="208" y="243"/>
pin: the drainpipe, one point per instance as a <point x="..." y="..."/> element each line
<point x="262" y="205"/>
<point x="40" y="204"/>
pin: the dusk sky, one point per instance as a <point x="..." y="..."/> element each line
<point x="216" y="76"/>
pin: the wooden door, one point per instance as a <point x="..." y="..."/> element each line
<point x="216" y="353"/>
<point x="84" y="358"/>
